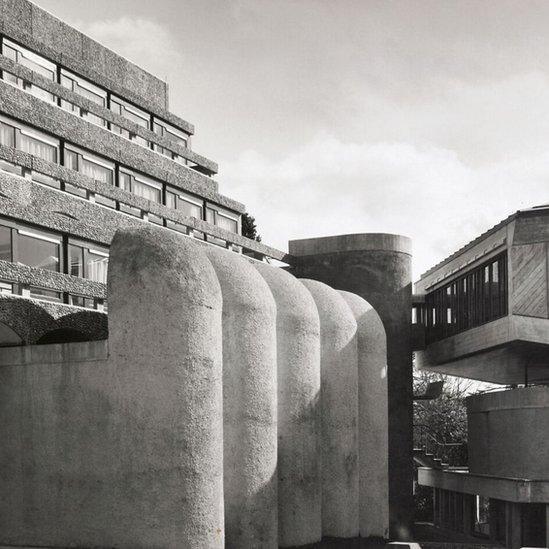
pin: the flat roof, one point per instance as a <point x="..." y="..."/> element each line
<point x="484" y="235"/>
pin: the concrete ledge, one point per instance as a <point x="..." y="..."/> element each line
<point x="30" y="202"/>
<point x="47" y="117"/>
<point x="527" y="397"/>
<point x="52" y="354"/>
<point x="68" y="95"/>
<point x="517" y="490"/>
<point x="351" y="243"/>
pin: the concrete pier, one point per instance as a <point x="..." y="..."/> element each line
<point x="377" y="267"/>
<point x="249" y="403"/>
<point x="372" y="419"/>
<point x="298" y="369"/>
<point x="339" y="383"/>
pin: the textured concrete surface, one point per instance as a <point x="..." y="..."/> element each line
<point x="508" y="433"/>
<point x="42" y="32"/>
<point x="64" y="93"/>
<point x="31" y="319"/>
<point x="52" y="209"/>
<point x="377" y="267"/>
<point x="78" y="131"/>
<point x="373" y="452"/>
<point x="95" y="457"/>
<point x="249" y="403"/>
<point x="299" y="419"/>
<point x="339" y="380"/>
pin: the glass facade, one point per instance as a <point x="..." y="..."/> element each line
<point x="25" y="245"/>
<point x="470" y="300"/>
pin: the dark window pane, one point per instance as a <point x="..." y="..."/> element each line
<point x="36" y="252"/>
<point x="76" y="262"/>
<point x="5" y="243"/>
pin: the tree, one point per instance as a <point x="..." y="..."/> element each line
<point x="249" y="228"/>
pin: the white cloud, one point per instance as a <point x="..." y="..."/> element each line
<point x="330" y="187"/>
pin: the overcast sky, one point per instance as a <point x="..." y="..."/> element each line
<point x="425" y="118"/>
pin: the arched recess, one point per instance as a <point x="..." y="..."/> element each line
<point x="9" y="337"/>
<point x="62" y="335"/>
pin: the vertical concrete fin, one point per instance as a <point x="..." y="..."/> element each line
<point x="339" y="388"/>
<point x="372" y="418"/>
<point x="298" y="368"/>
<point x="249" y="403"/>
<point x="165" y="348"/>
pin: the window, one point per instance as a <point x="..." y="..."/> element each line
<point x="185" y="203"/>
<point x="86" y="89"/>
<point x="25" y="57"/>
<point x="35" y="143"/>
<point x="23" y="138"/>
<point x="38" y="249"/>
<point x="136" y="115"/>
<point x="88" y="260"/>
<point x="5" y="243"/>
<point x="222" y="219"/>
<point x="89" y="164"/>
<point x="167" y="130"/>
<point x="142" y="186"/>
<point x="476" y="297"/>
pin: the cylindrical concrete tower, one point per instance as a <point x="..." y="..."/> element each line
<point x="339" y="404"/>
<point x="249" y="403"/>
<point x="377" y="267"/>
<point x="372" y="419"/>
<point x="298" y="367"/>
<point x="164" y="470"/>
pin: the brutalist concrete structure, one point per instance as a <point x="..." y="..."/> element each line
<point x="175" y="440"/>
<point x="104" y="451"/>
<point x="483" y="313"/>
<point x="88" y="146"/>
<point x="377" y="267"/>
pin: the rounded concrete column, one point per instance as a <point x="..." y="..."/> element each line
<point x="249" y="403"/>
<point x="339" y="405"/>
<point x="164" y="471"/>
<point x="377" y="267"/>
<point x="298" y="369"/>
<point x="372" y="419"/>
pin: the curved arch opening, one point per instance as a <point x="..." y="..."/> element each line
<point x="62" y="335"/>
<point x="9" y="337"/>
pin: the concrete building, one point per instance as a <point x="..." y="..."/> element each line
<point x="87" y="146"/>
<point x="103" y="449"/>
<point x="483" y="313"/>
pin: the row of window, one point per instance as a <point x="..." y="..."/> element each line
<point x="476" y="297"/>
<point x="94" y="93"/>
<point x="25" y="245"/>
<point x="21" y="137"/>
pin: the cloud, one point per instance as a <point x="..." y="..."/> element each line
<point x="331" y="187"/>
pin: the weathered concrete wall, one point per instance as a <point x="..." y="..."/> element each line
<point x="373" y="454"/>
<point x="299" y="444"/>
<point x="339" y="380"/>
<point x="377" y="267"/>
<point x="95" y="457"/>
<point x="170" y="439"/>
<point x="508" y="433"/>
<point x="249" y="403"/>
